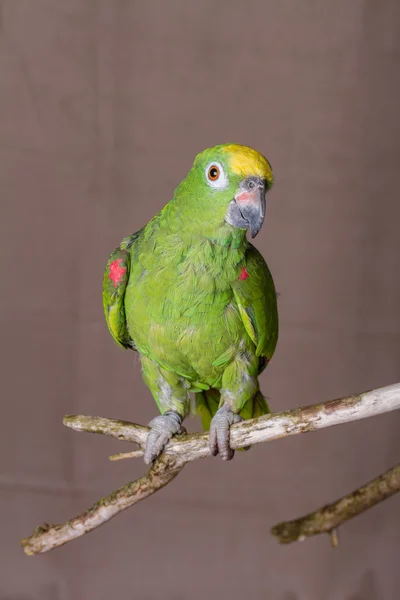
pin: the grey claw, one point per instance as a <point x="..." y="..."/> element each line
<point x="219" y="438"/>
<point x="163" y="428"/>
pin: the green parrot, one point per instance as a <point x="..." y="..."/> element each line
<point x="197" y="301"/>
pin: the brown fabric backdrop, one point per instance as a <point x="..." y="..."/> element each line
<point x="103" y="106"/>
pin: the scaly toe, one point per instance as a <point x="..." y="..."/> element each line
<point x="163" y="428"/>
<point x="219" y="437"/>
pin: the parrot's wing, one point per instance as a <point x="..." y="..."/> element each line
<point x="116" y="276"/>
<point x="255" y="296"/>
<point x="115" y="279"/>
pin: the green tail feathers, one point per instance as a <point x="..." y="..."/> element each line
<point x="207" y="403"/>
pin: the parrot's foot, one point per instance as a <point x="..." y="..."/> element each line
<point x="219" y="432"/>
<point x="162" y="429"/>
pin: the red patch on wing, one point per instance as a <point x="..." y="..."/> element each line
<point x="244" y="274"/>
<point x="116" y="271"/>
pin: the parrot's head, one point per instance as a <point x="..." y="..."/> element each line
<point x="229" y="184"/>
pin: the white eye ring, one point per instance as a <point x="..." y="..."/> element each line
<point x="216" y="176"/>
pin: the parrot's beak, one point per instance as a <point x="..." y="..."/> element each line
<point x="247" y="210"/>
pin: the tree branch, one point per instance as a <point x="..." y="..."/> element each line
<point x="328" y="518"/>
<point x="46" y="537"/>
<point x="187" y="448"/>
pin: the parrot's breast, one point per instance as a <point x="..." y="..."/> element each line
<point x="181" y="312"/>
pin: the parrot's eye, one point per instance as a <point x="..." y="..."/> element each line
<point x="216" y="176"/>
<point x="213" y="173"/>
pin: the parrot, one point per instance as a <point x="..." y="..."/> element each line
<point x="196" y="300"/>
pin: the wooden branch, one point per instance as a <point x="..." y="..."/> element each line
<point x="123" y="455"/>
<point x="187" y="448"/>
<point x="47" y="537"/>
<point x="328" y="518"/>
<point x="263" y="429"/>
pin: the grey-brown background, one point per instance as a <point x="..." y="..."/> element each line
<point x="103" y="106"/>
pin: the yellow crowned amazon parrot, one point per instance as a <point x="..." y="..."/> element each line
<point x="197" y="301"/>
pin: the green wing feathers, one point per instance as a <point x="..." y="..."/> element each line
<point x="115" y="280"/>
<point x="255" y="297"/>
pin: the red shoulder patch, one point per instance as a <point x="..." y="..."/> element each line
<point x="244" y="274"/>
<point x="117" y="271"/>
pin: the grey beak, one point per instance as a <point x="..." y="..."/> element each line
<point x="247" y="210"/>
<point x="254" y="212"/>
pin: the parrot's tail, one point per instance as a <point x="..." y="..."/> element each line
<point x="207" y="403"/>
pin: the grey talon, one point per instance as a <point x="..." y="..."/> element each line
<point x="219" y="437"/>
<point x="163" y="428"/>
